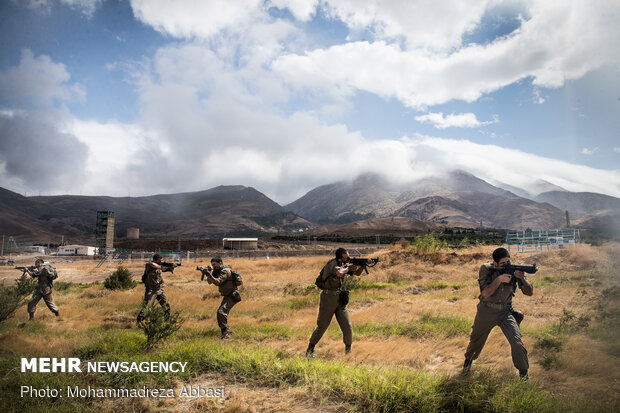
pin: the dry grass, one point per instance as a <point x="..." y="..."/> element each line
<point x="440" y="284"/>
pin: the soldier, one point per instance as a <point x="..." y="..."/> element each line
<point x="153" y="284"/>
<point x="330" y="303"/>
<point x="222" y="276"/>
<point x="495" y="308"/>
<point x="46" y="275"/>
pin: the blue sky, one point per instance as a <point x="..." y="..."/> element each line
<point x="141" y="97"/>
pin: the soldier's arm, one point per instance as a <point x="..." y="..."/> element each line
<point x="526" y="287"/>
<point x="223" y="277"/>
<point x="157" y="266"/>
<point x="488" y="286"/>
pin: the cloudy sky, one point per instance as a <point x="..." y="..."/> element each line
<point x="137" y="97"/>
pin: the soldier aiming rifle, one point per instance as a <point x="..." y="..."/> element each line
<point x="154" y="284"/>
<point x="46" y="274"/>
<point x="498" y="282"/>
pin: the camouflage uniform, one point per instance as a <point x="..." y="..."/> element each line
<point x="330" y="305"/>
<point x="228" y="290"/>
<point x="496" y="310"/>
<point x="154" y="290"/>
<point x="45" y="274"/>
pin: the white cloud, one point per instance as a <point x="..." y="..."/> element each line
<point x="39" y="80"/>
<point x="303" y="10"/>
<point x="189" y="18"/>
<point x="550" y="48"/>
<point x="586" y="151"/>
<point x="461" y="120"/>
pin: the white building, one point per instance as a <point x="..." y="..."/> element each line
<point x="240" y="243"/>
<point x="76" y="250"/>
<point x="35" y="248"/>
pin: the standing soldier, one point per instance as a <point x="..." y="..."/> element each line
<point x="330" y="280"/>
<point x="227" y="282"/>
<point x="46" y="274"/>
<point x="495" y="308"/>
<point x="153" y="284"/>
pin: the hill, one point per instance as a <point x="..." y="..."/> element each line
<point x="224" y="210"/>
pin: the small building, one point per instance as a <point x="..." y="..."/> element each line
<point x="240" y="243"/>
<point x="36" y="249"/>
<point x="76" y="250"/>
<point x="133" y="233"/>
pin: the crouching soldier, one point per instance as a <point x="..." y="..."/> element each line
<point x="154" y="284"/>
<point x="45" y="274"/>
<point x="227" y="281"/>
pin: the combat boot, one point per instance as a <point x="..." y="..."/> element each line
<point x="523" y="375"/>
<point x="310" y="351"/>
<point x="347" y="349"/>
<point x="30" y="316"/>
<point x="466" y="367"/>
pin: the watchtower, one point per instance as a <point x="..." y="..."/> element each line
<point x="104" y="231"/>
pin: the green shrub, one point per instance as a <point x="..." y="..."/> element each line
<point x="120" y="280"/>
<point x="157" y="324"/>
<point x="428" y="244"/>
<point x="13" y="297"/>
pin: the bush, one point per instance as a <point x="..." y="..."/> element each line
<point x="428" y="244"/>
<point x="13" y="297"/>
<point x="157" y="325"/>
<point x="120" y="280"/>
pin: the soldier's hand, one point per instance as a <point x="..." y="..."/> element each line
<point x="505" y="278"/>
<point x="519" y="274"/>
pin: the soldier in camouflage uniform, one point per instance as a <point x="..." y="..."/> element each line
<point x="329" y="305"/>
<point x="495" y="308"/>
<point x="153" y="285"/>
<point x="222" y="276"/>
<point x="46" y="274"/>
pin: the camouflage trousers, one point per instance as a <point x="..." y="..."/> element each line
<point x="486" y="319"/>
<point x="149" y="298"/>
<point x="46" y="295"/>
<point x="222" y="312"/>
<point x="328" y="307"/>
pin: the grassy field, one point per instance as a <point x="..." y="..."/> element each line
<point x="411" y="321"/>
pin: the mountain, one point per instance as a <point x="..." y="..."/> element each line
<point x="580" y="202"/>
<point x="457" y="198"/>
<point x="475" y="209"/>
<point x="224" y="210"/>
<point x="372" y="195"/>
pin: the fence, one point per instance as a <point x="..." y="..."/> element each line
<point x="541" y="240"/>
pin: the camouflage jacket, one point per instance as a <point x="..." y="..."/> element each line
<point x="152" y="278"/>
<point x="224" y="277"/>
<point x="45" y="274"/>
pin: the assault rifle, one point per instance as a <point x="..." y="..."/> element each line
<point x="203" y="270"/>
<point x="169" y="266"/>
<point x="510" y="269"/>
<point x="24" y="269"/>
<point x="363" y="262"/>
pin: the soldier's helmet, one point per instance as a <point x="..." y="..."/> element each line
<point x="39" y="261"/>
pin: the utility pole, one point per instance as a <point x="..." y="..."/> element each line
<point x="2" y="252"/>
<point x="567" y="220"/>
